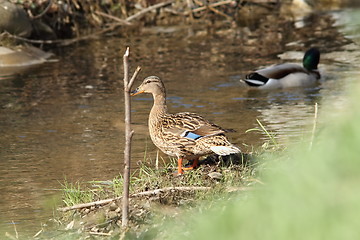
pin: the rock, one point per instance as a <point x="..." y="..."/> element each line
<point x="22" y="56"/>
<point x="14" y="19"/>
<point x="215" y="175"/>
<point x="112" y="215"/>
<point x="113" y="206"/>
<point x="21" y="59"/>
<point x="296" y="9"/>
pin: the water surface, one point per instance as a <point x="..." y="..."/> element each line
<point x="65" y="119"/>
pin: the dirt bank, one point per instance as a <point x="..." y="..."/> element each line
<point x="54" y="21"/>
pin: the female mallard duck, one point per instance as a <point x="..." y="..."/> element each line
<point x="288" y="74"/>
<point x="182" y="135"/>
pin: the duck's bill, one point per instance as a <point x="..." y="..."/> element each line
<point x="135" y="92"/>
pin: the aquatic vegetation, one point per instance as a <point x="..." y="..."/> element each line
<point x="75" y="193"/>
<point x="272" y="142"/>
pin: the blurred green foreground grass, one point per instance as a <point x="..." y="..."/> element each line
<point x="310" y="195"/>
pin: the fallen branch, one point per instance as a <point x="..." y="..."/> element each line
<point x="89" y="204"/>
<point x="146" y="193"/>
<point x="199" y="9"/>
<point x="220" y="13"/>
<point x="119" y="20"/>
<point x="100" y="233"/>
<point x="145" y="10"/>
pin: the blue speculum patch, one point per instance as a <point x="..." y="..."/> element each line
<point x="192" y="135"/>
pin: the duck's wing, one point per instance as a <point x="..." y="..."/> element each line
<point x="281" y="70"/>
<point x="190" y="126"/>
<point x="277" y="72"/>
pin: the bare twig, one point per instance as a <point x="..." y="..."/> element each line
<point x="128" y="136"/>
<point x="157" y="160"/>
<point x="199" y="9"/>
<point x="16" y="232"/>
<point x="212" y="7"/>
<point x="121" y="21"/>
<point x="145" y="10"/>
<point x="134" y="77"/>
<point x="38" y="233"/>
<point x="100" y="233"/>
<point x="314" y="126"/>
<point x="126" y="68"/>
<point x="220" y="13"/>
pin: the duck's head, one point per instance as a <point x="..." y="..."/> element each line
<point x="311" y="59"/>
<point x="152" y="84"/>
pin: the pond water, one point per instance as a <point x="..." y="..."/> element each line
<point x="65" y="119"/>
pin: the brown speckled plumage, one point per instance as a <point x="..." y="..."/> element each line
<point x="184" y="135"/>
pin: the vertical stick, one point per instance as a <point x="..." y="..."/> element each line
<point x="128" y="135"/>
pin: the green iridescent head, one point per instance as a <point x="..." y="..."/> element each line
<point x="311" y="59"/>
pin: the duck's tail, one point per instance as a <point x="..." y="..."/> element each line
<point x="225" y="150"/>
<point x="255" y="79"/>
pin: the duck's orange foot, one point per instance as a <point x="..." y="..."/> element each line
<point x="194" y="165"/>
<point x="187" y="168"/>
<point x="181" y="172"/>
<point x="181" y="169"/>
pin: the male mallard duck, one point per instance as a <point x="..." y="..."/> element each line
<point x="183" y="135"/>
<point x="287" y="74"/>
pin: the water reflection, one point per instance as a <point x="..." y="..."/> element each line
<point x="66" y="118"/>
